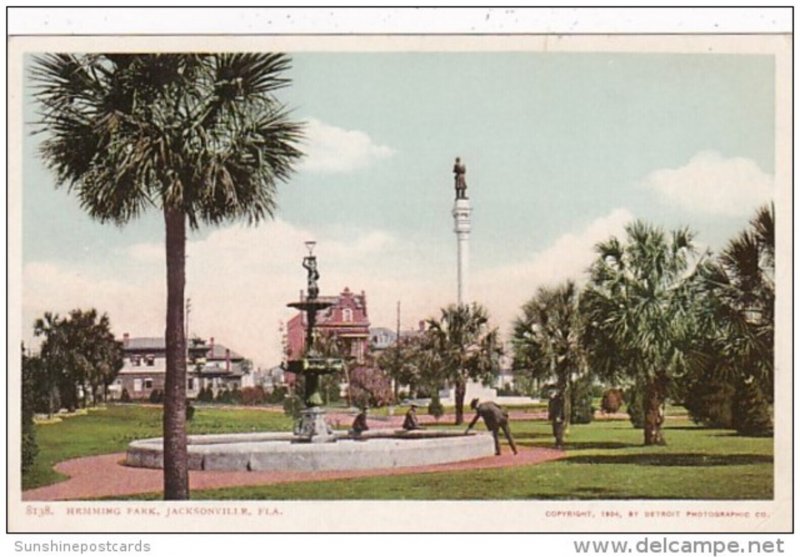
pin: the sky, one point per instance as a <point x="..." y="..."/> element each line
<point x="562" y="151"/>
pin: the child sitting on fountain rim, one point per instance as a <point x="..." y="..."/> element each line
<point x="360" y="423"/>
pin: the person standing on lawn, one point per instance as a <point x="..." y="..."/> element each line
<point x="555" y="413"/>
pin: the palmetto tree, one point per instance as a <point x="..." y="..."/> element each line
<point x="640" y="318"/>
<point x="465" y="347"/>
<point x="199" y="137"/>
<point x="741" y="283"/>
<point x="547" y="338"/>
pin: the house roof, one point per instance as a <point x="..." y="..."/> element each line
<point x="145" y="343"/>
<point x="155" y="344"/>
<point x="217" y="352"/>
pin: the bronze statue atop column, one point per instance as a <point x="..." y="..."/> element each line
<point x="460" y="171"/>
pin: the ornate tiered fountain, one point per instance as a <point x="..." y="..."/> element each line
<point x="311" y="427"/>
<point x="313" y="445"/>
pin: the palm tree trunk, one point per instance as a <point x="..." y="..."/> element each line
<point x="461" y="392"/>
<point x="654" y="398"/>
<point x="176" y="472"/>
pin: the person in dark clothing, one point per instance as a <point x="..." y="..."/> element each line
<point x="495" y="419"/>
<point x="411" y="422"/>
<point x="555" y="413"/>
<point x="360" y="423"/>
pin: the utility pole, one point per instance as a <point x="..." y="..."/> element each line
<point x="397" y="354"/>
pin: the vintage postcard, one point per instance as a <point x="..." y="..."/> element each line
<point x="400" y="283"/>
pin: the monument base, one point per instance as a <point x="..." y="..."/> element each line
<point x="312" y="427"/>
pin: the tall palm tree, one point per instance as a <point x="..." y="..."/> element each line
<point x="547" y="339"/>
<point x="742" y="294"/>
<point x="467" y="347"/>
<point x="740" y="323"/>
<point x="199" y="137"/>
<point x="640" y="318"/>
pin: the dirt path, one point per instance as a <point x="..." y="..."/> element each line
<point x="105" y="476"/>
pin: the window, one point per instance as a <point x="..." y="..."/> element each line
<point x="347" y="315"/>
<point x="136" y="360"/>
<point x="150" y="360"/>
<point x="148" y="383"/>
<point x="137" y="385"/>
<point x="191" y="384"/>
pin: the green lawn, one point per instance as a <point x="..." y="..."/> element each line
<point x="109" y="430"/>
<point x="605" y="460"/>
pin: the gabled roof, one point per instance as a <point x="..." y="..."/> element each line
<point x="218" y="353"/>
<point x="158" y="344"/>
<point x="145" y="343"/>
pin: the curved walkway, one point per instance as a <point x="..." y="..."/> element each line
<point x="105" y="476"/>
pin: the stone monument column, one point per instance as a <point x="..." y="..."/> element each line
<point x="462" y="225"/>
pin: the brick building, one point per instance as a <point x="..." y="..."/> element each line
<point x="347" y="320"/>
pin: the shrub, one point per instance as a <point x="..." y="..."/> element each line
<point x="751" y="414"/>
<point x="435" y="407"/>
<point x="277" y="395"/>
<point x="370" y="386"/>
<point x="235" y="396"/>
<point x="612" y="401"/>
<point x="508" y="390"/>
<point x="189" y="411"/>
<point x="224" y="396"/>
<point x="253" y="396"/>
<point x="156" y="396"/>
<point x="29" y="447"/>
<point x="710" y="403"/>
<point x="635" y="406"/>
<point x="206" y="394"/>
<point x="292" y="405"/>
<point x="125" y="396"/>
<point x="581" y="409"/>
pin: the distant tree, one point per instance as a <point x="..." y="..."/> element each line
<point x="370" y="386"/>
<point x="78" y="352"/>
<point x="464" y="347"/>
<point x="547" y="342"/>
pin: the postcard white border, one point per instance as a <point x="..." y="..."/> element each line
<point x="439" y="516"/>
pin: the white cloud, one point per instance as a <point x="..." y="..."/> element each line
<point x="131" y="304"/>
<point x="332" y="150"/>
<point x="504" y="289"/>
<point x="710" y="183"/>
<point x="240" y="279"/>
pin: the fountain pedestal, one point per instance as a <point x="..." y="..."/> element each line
<point x="312" y="427"/>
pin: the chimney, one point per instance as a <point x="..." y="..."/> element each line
<point x="422" y="326"/>
<point x="126" y="339"/>
<point x="227" y="360"/>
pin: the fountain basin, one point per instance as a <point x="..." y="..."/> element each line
<point x="277" y="451"/>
